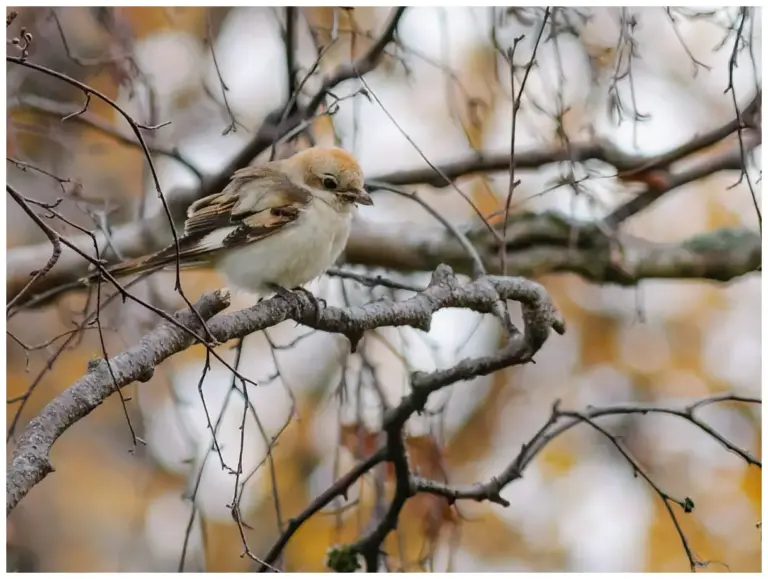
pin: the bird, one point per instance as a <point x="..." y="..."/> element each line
<point x="274" y="227"/>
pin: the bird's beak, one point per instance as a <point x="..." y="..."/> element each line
<point x="361" y="197"/>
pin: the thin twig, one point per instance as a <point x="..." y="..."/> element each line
<point x="516" y="104"/>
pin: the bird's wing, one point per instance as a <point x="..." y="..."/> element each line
<point x="258" y="200"/>
<point x="257" y="203"/>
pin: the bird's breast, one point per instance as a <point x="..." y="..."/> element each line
<point x="293" y="256"/>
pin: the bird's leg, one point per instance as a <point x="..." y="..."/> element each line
<point x="280" y="291"/>
<point x="315" y="301"/>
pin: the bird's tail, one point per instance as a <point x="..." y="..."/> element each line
<point x="140" y="265"/>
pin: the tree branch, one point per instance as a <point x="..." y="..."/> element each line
<point x="274" y="127"/>
<point x="407" y="485"/>
<point x="537" y="244"/>
<point x="654" y="172"/>
<point x="30" y="462"/>
<point x="658" y="183"/>
<point x="58" y="109"/>
<point x="490" y="491"/>
<point x="598" y="150"/>
<point x="550" y="242"/>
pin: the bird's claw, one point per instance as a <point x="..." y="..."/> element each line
<point x="319" y="303"/>
<point x="315" y="302"/>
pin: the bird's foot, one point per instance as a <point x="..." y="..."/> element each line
<point x="315" y="302"/>
<point x="319" y="303"/>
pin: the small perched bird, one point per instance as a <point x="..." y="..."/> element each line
<point x="273" y="228"/>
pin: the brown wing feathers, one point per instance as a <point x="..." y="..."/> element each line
<point x="257" y="202"/>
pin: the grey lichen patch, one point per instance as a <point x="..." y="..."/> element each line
<point x="93" y="365"/>
<point x="723" y="240"/>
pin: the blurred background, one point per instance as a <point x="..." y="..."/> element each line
<point x="215" y="74"/>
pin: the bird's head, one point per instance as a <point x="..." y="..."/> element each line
<point x="331" y="172"/>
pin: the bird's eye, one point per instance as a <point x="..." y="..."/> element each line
<point x="330" y="183"/>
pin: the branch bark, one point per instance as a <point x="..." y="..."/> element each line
<point x="598" y="150"/>
<point x="31" y="463"/>
<point x="533" y="244"/>
<point x="537" y="244"/>
<point x="408" y="484"/>
<point x="714" y="255"/>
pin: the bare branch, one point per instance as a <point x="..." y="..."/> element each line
<point x="233" y="123"/>
<point x="337" y="489"/>
<point x="490" y="491"/>
<point x="58" y="109"/>
<point x="551" y="429"/>
<point x="517" y="102"/>
<point x="537" y="244"/>
<point x="743" y="149"/>
<point x="660" y="183"/>
<point x="30" y="463"/>
<point x="55" y="255"/>
<point x="274" y="129"/>
<point x="626" y="164"/>
<point x="365" y="64"/>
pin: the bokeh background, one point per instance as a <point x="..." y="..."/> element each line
<point x="111" y="506"/>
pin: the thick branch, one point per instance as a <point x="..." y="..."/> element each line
<point x="30" y="462"/>
<point x="537" y="244"/>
